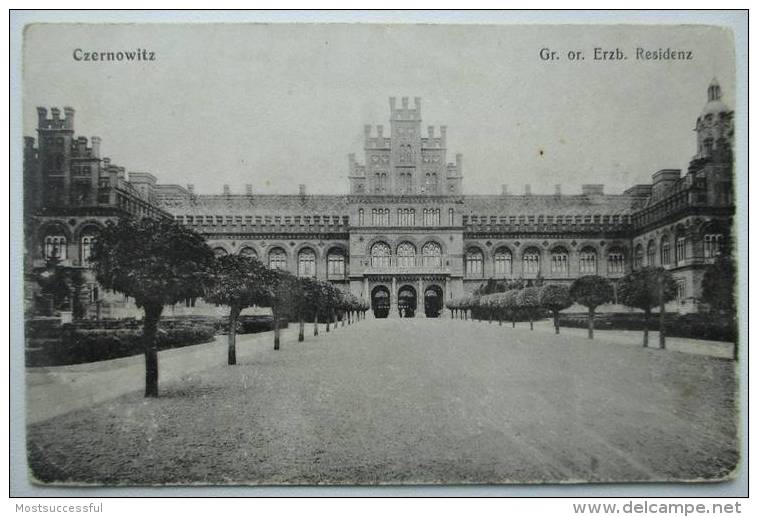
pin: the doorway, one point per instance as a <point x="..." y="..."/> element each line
<point x="433" y="301"/>
<point x="380" y="301"/>
<point x="406" y="302"/>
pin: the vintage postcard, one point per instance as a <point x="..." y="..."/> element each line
<point x="380" y="254"/>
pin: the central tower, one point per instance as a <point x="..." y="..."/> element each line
<point x="405" y="163"/>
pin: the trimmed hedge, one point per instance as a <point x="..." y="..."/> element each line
<point x="698" y="326"/>
<point x="77" y="345"/>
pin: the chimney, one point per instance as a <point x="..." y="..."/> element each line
<point x="443" y="136"/>
<point x="405" y="103"/>
<point x="68" y="123"/>
<point x="226" y="190"/>
<point x="56" y="113"/>
<point x="249" y="189"/>
<point x="41" y="116"/>
<point x="593" y="189"/>
<point x="301" y="189"/>
<point x="558" y="189"/>
<point x="504" y="191"/>
<point x="191" y="188"/>
<point x="95" y="141"/>
<point x="417" y="105"/>
<point x="527" y="190"/>
<point x="459" y="164"/>
<point x="380" y="130"/>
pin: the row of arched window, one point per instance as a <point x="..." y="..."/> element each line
<point x="306" y="260"/>
<point x="406" y="255"/>
<point x="406" y="217"/>
<point x="56" y="245"/>
<point x="662" y="254"/>
<point x="531" y="262"/>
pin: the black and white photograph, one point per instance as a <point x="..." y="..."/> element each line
<point x="372" y="254"/>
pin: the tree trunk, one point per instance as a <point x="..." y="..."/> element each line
<point x="334" y="318"/>
<point x="556" y="323"/>
<point x="301" y="321"/>
<point x="531" y="321"/>
<point x="149" y="330"/>
<point x="591" y="323"/>
<point x="490" y="317"/>
<point x="645" y="331"/>
<point x="500" y="319"/>
<point x="276" y="330"/>
<point x="315" y="324"/>
<point x="342" y="319"/>
<point x="328" y="320"/>
<point x="513" y="319"/>
<point x="662" y="320"/>
<point x="234" y="313"/>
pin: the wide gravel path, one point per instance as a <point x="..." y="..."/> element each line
<point x="410" y="401"/>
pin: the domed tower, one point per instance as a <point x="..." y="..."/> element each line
<point x="715" y="128"/>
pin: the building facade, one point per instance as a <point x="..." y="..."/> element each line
<point x="406" y="237"/>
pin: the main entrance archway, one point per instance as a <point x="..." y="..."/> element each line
<point x="406" y="301"/>
<point x="380" y="301"/>
<point x="433" y="301"/>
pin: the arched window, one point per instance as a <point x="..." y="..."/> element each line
<point x="681" y="250"/>
<point x="360" y="217"/>
<point x="559" y="261"/>
<point x="615" y="261"/>
<point x="219" y="251"/>
<point x="531" y="260"/>
<point x="712" y="245"/>
<point x="85" y="245"/>
<point x="639" y="255"/>
<point x="277" y="259"/>
<point x="380" y="255"/>
<point x="474" y="263"/>
<point x="451" y="217"/>
<point x="306" y="263"/>
<point x="431" y="254"/>
<point x="247" y="251"/>
<point x="665" y="251"/>
<point x="650" y="253"/>
<point x="587" y="261"/>
<point x="55" y="246"/>
<point x="335" y="263"/>
<point x="503" y="262"/>
<point x="406" y="255"/>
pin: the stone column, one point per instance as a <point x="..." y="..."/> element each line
<point x="366" y="293"/>
<point x="420" y="300"/>
<point x="446" y="295"/>
<point x="393" y="299"/>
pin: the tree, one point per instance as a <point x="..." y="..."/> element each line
<point x="309" y="298"/>
<point x="511" y="305"/>
<point x="282" y="291"/>
<point x="237" y="281"/>
<point x="641" y="290"/>
<point x="591" y="291"/>
<point x="528" y="299"/>
<point x="157" y="263"/>
<point x="718" y="286"/>
<point x="555" y="298"/>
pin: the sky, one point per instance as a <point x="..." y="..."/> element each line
<point x="278" y="105"/>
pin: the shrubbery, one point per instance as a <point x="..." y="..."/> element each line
<point x="677" y="325"/>
<point x="82" y="345"/>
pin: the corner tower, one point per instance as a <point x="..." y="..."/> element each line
<point x="715" y="128"/>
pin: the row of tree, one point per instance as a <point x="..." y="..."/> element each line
<point x="644" y="289"/>
<point x="160" y="263"/>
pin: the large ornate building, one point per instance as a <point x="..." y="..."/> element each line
<point x="406" y="237"/>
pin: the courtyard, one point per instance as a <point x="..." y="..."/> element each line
<point x="392" y="401"/>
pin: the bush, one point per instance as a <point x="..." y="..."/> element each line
<point x="697" y="326"/>
<point x="78" y="345"/>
